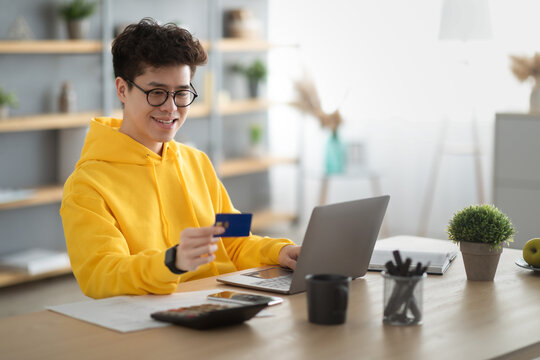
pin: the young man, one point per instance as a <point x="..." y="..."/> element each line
<point x="138" y="210"/>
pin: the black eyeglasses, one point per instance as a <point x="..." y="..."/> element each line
<point x="157" y="97"/>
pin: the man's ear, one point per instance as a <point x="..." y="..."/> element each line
<point x="121" y="89"/>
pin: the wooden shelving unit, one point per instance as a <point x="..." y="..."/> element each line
<point x="47" y="121"/>
<point x="244" y="166"/>
<point x="96" y="46"/>
<point x="40" y="196"/>
<point x="209" y="109"/>
<point x="51" y="47"/>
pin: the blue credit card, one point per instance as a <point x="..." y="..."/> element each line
<point x="235" y="224"/>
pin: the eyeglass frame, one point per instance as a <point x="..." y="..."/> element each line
<point x="173" y="93"/>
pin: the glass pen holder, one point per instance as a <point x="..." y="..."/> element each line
<point x="403" y="299"/>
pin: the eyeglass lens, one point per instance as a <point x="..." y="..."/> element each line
<point x="182" y="98"/>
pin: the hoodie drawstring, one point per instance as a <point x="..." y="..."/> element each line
<point x="183" y="186"/>
<point x="164" y="221"/>
<point x="188" y="199"/>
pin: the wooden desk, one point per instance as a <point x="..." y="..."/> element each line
<point x="462" y="320"/>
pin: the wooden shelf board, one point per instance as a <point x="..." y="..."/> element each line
<point x="51" y="47"/>
<point x="96" y="46"/>
<point x="232" y="44"/>
<point x="244" y="166"/>
<point x="8" y="278"/>
<point x="266" y="218"/>
<point x="46" y="121"/>
<point x="43" y="195"/>
<point x="239" y="45"/>
<point x="243" y="106"/>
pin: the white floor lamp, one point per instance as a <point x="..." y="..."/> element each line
<point x="464" y="21"/>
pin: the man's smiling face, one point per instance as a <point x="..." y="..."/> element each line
<point x="149" y="125"/>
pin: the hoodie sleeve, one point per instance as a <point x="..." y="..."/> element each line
<point x="99" y="254"/>
<point x="251" y="251"/>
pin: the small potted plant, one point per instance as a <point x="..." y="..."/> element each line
<point x="7" y="100"/>
<point x="77" y="14"/>
<point x="480" y="230"/>
<point x="255" y="73"/>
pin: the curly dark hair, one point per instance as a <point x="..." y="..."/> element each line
<point x="149" y="44"/>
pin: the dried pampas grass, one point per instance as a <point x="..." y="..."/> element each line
<point x="524" y="67"/>
<point x="310" y="103"/>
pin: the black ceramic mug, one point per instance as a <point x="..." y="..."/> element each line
<point x="327" y="298"/>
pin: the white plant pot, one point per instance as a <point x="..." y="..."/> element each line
<point x="78" y="29"/>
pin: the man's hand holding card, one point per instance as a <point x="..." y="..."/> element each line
<point x="235" y="225"/>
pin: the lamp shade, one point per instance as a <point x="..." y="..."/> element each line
<point x="465" y="20"/>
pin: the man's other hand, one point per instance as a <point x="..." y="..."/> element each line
<point x="288" y="255"/>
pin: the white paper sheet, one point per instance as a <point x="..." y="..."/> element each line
<point x="129" y="313"/>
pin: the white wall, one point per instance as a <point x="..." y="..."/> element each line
<point x="381" y="62"/>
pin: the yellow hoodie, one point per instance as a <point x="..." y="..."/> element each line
<point x="124" y="206"/>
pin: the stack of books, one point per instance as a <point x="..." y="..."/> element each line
<point x="439" y="253"/>
<point x="11" y="195"/>
<point x="35" y="261"/>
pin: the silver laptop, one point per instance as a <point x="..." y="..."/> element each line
<point x="339" y="240"/>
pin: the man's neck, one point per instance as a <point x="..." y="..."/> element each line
<point x="154" y="147"/>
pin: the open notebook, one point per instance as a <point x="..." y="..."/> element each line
<point x="439" y="253"/>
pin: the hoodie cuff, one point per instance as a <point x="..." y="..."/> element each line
<point x="273" y="254"/>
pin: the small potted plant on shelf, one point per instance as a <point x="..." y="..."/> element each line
<point x="7" y="100"/>
<point x="480" y="230"/>
<point x="77" y="14"/>
<point x="254" y="73"/>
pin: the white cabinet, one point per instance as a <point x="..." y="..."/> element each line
<point x="516" y="173"/>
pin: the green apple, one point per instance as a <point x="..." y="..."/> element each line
<point x="531" y="252"/>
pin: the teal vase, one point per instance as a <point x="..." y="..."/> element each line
<point x="335" y="155"/>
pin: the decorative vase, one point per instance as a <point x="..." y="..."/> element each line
<point x="480" y="260"/>
<point x="335" y="155"/>
<point x="78" y="29"/>
<point x="240" y="23"/>
<point x="256" y="150"/>
<point x="67" y="99"/>
<point x="535" y="97"/>
<point x="253" y="88"/>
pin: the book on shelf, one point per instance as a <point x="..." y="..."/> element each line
<point x="11" y="195"/>
<point x="439" y="253"/>
<point x="35" y="261"/>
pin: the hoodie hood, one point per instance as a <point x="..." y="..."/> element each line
<point x="104" y="142"/>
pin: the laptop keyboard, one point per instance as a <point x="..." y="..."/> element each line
<point x="280" y="282"/>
